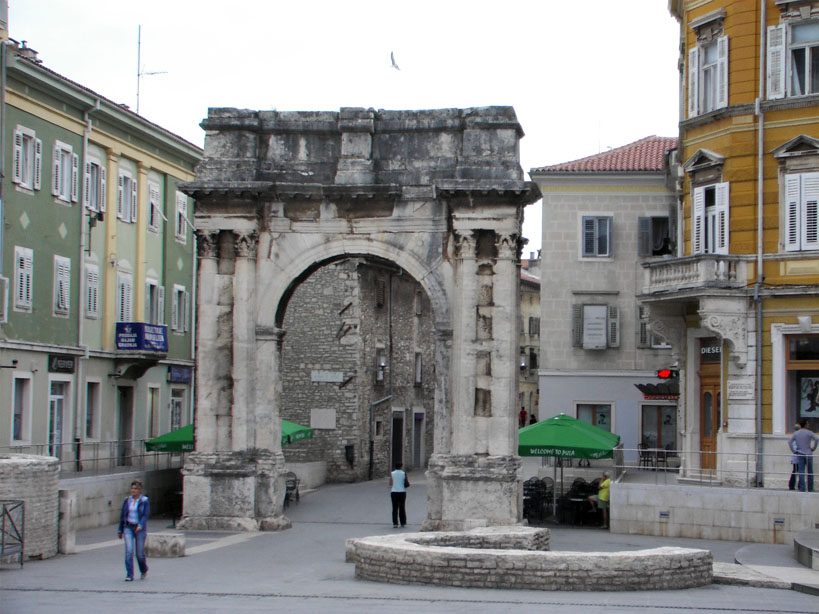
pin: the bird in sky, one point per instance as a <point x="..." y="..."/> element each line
<point x="392" y="59"/>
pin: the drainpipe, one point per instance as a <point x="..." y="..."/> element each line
<point x="3" y="55"/>
<point x="759" y="233"/>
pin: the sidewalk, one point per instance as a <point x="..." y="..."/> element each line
<point x="303" y="569"/>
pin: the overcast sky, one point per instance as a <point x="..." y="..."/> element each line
<point x="582" y="76"/>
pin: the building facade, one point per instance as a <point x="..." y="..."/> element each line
<point x="740" y="299"/>
<point x="97" y="273"/>
<point x="357" y="366"/>
<point x="529" y="338"/>
<point x="602" y="216"/>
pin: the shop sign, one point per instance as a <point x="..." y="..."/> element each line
<point x="61" y="364"/>
<point x="180" y="375"/>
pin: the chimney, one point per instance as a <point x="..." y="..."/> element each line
<point x="28" y="53"/>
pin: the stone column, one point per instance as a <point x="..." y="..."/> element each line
<point x="244" y="345"/>
<point x="207" y="242"/>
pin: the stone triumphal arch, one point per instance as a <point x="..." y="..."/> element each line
<point x="439" y="193"/>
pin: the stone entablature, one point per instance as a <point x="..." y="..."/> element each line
<point x="439" y="194"/>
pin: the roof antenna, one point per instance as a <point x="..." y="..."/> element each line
<point x="140" y="72"/>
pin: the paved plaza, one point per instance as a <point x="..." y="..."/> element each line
<point x="303" y="570"/>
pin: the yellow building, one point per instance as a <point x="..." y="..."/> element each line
<point x="747" y="344"/>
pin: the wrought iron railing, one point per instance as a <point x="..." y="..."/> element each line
<point x="100" y="457"/>
<point x="12" y="529"/>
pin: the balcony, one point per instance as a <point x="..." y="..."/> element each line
<point x="140" y="346"/>
<point x="691" y="274"/>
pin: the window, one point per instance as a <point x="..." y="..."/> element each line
<point x="659" y="426"/>
<point x="92" y="410"/>
<point x="65" y="173"/>
<point x="154" y="207"/>
<point x="596" y="327"/>
<point x="94" y="185"/>
<point x="596" y="239"/>
<point x="802" y="212"/>
<point x="179" y="309"/>
<point x="127" y="197"/>
<point x="181" y="217"/>
<point x="177" y="404"/>
<point x="534" y="326"/>
<point x="793" y="50"/>
<point x="418" y="369"/>
<point x="710" y="227"/>
<point x="652" y="236"/>
<point x="645" y="338"/>
<point x="380" y="292"/>
<point x="28" y="159"/>
<point x="708" y="76"/>
<point x="62" y="286"/>
<point x="419" y="303"/>
<point x="802" y="367"/>
<point x="532" y="359"/>
<point x="380" y="365"/>
<point x="153" y="411"/>
<point x="154" y="302"/>
<point x="597" y="414"/>
<point x="23" y="278"/>
<point x="21" y="414"/>
<point x="125" y="292"/>
<point x="92" y="288"/>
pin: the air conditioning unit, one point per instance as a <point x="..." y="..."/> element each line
<point x="4" y="299"/>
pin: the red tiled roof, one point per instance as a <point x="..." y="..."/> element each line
<point x="644" y="155"/>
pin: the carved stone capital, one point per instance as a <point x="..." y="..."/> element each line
<point x="207" y="243"/>
<point x="245" y="243"/>
<point x="465" y="243"/>
<point x="727" y="319"/>
<point x="508" y="246"/>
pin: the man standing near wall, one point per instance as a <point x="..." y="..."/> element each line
<point x="803" y="442"/>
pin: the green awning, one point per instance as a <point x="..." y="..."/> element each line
<point x="566" y="437"/>
<point x="180" y="440"/>
<point x="292" y="432"/>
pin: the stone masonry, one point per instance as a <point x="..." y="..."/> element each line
<point x="437" y="194"/>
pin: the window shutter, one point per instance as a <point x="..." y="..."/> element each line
<point x="62" y="285"/>
<point x="644" y="236"/>
<point x="577" y="326"/>
<point x="722" y="211"/>
<point x="92" y="277"/>
<point x="792" y="189"/>
<point x="75" y="177"/>
<point x="120" y="195"/>
<point x="86" y="185"/>
<point x="24" y="265"/>
<point x="103" y="195"/>
<point x="148" y="302"/>
<point x="4" y="299"/>
<point x="614" y="326"/>
<point x="642" y="328"/>
<point x="56" y="179"/>
<point x="775" y="65"/>
<point x="810" y="220"/>
<point x="160" y="306"/>
<point x="697" y="238"/>
<point x="589" y="236"/>
<point x="175" y="309"/>
<point x="38" y="163"/>
<point x="693" y="81"/>
<point x="134" y="201"/>
<point x="722" y="72"/>
<point x="17" y="164"/>
<point x="186" y="310"/>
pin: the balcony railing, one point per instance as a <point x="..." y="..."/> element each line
<point x="693" y="272"/>
<point x="100" y="457"/>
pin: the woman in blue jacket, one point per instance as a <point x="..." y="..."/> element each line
<point x="133" y="525"/>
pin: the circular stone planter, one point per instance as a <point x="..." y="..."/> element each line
<point x="514" y="558"/>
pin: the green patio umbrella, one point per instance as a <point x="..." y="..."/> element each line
<point x="292" y="432"/>
<point x="180" y="440"/>
<point x="566" y="437"/>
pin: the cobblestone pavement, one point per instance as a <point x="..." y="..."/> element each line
<point x="303" y="570"/>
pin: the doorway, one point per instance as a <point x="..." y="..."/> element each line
<point x="397" y="438"/>
<point x="56" y="411"/>
<point x="418" y="441"/>
<point x="710" y="415"/>
<point x="125" y="431"/>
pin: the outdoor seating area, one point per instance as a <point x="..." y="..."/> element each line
<point x="538" y="499"/>
<point x="574" y="507"/>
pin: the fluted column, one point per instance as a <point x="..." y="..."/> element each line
<point x="244" y="346"/>
<point x="207" y="363"/>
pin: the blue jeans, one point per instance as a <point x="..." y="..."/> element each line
<point x="805" y="462"/>
<point x="131" y="537"/>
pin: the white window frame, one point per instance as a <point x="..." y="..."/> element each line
<point x="61" y="302"/>
<point x="154" y="206"/>
<point x="93" y="403"/>
<point x="25" y="422"/>
<point x="127" y="197"/>
<point x="153" y="410"/>
<point x="125" y="297"/>
<point x="92" y="291"/>
<point x="780" y="69"/>
<point x="698" y="73"/>
<point x="180" y="319"/>
<point x="154" y="302"/>
<point x="583" y="334"/>
<point x="801" y="212"/>
<point x="27" y="160"/>
<point x="179" y="395"/>
<point x="94" y="185"/>
<point x="181" y="229"/>
<point x="23" y="278"/>
<point x="710" y="227"/>
<point x="590" y="236"/>
<point x="65" y="176"/>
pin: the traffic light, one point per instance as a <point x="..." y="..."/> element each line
<point x="667" y="373"/>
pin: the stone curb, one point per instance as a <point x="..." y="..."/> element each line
<point x="740" y="575"/>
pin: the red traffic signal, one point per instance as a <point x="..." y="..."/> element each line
<point x="666" y="373"/>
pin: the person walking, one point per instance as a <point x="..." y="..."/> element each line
<point x="803" y="442"/>
<point x="794" y="463"/>
<point x="133" y="526"/>
<point x="398" y="494"/>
